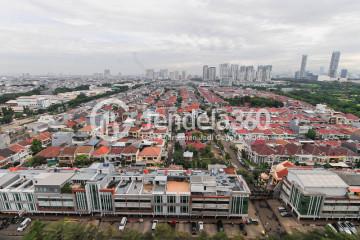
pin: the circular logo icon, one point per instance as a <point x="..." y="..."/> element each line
<point x="104" y="118"/>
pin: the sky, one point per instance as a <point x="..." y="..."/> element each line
<point x="87" y="36"/>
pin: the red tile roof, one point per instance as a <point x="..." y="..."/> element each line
<point x="50" y="152"/>
<point x="150" y="152"/>
<point x="101" y="151"/>
<point x="130" y="150"/>
<point x="16" y="148"/>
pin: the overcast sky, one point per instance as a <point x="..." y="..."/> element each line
<point x="87" y="36"/>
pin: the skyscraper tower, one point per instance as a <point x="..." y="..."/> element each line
<point x="205" y="72"/>
<point x="302" y="73"/>
<point x="212" y="73"/>
<point x="334" y="63"/>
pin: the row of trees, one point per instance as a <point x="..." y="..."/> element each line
<point x="254" y="102"/>
<point x="72" y="230"/>
<point x="66" y="89"/>
<point x="80" y="99"/>
<point x="11" y="96"/>
<point x="342" y="97"/>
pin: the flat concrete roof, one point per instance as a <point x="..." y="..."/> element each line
<point x="178" y="187"/>
<point x="52" y="179"/>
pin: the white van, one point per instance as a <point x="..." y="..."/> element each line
<point x="24" y="224"/>
<point x="155" y="222"/>
<point x="123" y="223"/>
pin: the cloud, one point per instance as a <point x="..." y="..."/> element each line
<point x="40" y="36"/>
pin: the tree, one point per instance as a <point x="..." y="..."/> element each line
<point x="36" y="231"/>
<point x="71" y="230"/>
<point x="66" y="188"/>
<point x="36" y="146"/>
<point x="130" y="234"/>
<point x="82" y="160"/>
<point x="311" y="134"/>
<point x="220" y="236"/>
<point x="164" y="231"/>
<point x="36" y="161"/>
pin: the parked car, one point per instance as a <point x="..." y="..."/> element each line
<point x="343" y="228"/>
<point x="193" y="228"/>
<point x="351" y="227"/>
<point x="220" y="226"/>
<point x="285" y="214"/>
<point x="154" y="223"/>
<point x="282" y="209"/>
<point x="123" y="223"/>
<point x="242" y="226"/>
<point x="201" y="226"/>
<point x="24" y="224"/>
<point x="254" y="221"/>
<point x="332" y="227"/>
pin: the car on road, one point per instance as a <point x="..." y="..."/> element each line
<point x="123" y="223"/>
<point x="254" y="221"/>
<point x="201" y="226"/>
<point x="242" y="227"/>
<point x="343" y="228"/>
<point x="193" y="228"/>
<point x="24" y="224"/>
<point x="154" y="224"/>
<point x="285" y="214"/>
<point x="282" y="209"/>
<point x="331" y="227"/>
<point x="220" y="226"/>
<point x="351" y="227"/>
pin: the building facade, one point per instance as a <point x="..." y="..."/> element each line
<point x="322" y="194"/>
<point x="102" y="191"/>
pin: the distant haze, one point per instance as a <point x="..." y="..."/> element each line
<point x="87" y="36"/>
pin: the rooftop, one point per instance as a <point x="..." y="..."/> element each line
<point x="52" y="179"/>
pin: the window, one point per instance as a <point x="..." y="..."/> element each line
<point x="184" y="199"/>
<point x="171" y="199"/>
<point x="184" y="209"/>
<point x="158" y="209"/>
<point x="158" y="199"/>
<point x="171" y="209"/>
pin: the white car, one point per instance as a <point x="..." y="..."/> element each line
<point x="155" y="222"/>
<point x="122" y="223"/>
<point x="24" y="224"/>
<point x="201" y="226"/>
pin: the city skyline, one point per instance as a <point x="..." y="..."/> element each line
<point x="41" y="36"/>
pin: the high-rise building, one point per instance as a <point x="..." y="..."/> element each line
<point x="225" y="75"/>
<point x="234" y="72"/>
<point x="334" y="64"/>
<point x="303" y="66"/>
<point x="163" y="74"/>
<point x="212" y="73"/>
<point x="242" y="73"/>
<point x="176" y="75"/>
<point x="183" y="75"/>
<point x="107" y="73"/>
<point x="149" y="74"/>
<point x="343" y="73"/>
<point x="263" y="73"/>
<point x="249" y="74"/>
<point x="205" y="72"/>
<point x="225" y="70"/>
